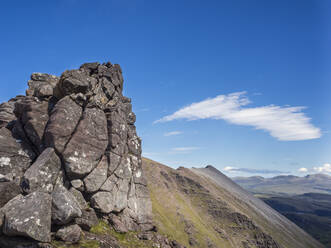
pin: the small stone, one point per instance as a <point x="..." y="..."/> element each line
<point x="117" y="224"/>
<point x="88" y="219"/>
<point x="77" y="184"/>
<point x="69" y="234"/>
<point x="79" y="197"/>
<point x="146" y="236"/>
<point x="65" y="207"/>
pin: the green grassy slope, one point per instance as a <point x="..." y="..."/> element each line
<point x="197" y="212"/>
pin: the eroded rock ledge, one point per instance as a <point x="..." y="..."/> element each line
<point x="69" y="152"/>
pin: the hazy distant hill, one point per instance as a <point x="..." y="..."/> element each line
<point x="312" y="212"/>
<point x="286" y="185"/>
<point x="304" y="200"/>
<point x="204" y="208"/>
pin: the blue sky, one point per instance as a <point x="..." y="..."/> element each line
<point x="256" y="60"/>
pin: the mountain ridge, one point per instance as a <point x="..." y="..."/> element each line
<point x="286" y="185"/>
<point x="191" y="191"/>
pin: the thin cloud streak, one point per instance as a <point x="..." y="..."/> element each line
<point x="325" y="168"/>
<point x="283" y="123"/>
<point x="172" y="133"/>
<point x="303" y="170"/>
<point x="253" y="171"/>
<point x="185" y="149"/>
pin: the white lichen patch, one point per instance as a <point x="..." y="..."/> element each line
<point x="138" y="174"/>
<point x="4" y="161"/>
<point x="23" y="153"/>
<point x="73" y="159"/>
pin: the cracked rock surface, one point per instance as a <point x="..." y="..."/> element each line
<point x="69" y="153"/>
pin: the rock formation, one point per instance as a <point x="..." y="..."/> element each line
<point x="69" y="152"/>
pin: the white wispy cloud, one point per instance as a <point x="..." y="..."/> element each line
<point x="185" y="149"/>
<point x="173" y="133"/>
<point x="252" y="170"/>
<point x="284" y="123"/>
<point x="303" y="170"/>
<point x="325" y="168"/>
<point x="229" y="168"/>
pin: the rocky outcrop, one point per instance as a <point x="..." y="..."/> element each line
<point x="69" y="152"/>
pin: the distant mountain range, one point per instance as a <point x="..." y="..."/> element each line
<point x="286" y="185"/>
<point x="304" y="200"/>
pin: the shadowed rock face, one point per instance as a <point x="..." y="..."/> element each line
<point x="71" y="143"/>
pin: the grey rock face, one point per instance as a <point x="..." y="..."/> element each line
<point x="65" y="207"/>
<point x="97" y="177"/>
<point x="29" y="216"/>
<point x="41" y="85"/>
<point x="43" y="173"/>
<point x="62" y="123"/>
<point x="7" y="113"/>
<point x="87" y="144"/>
<point x="15" y="155"/>
<point x="34" y="117"/>
<point x="8" y="190"/>
<point x="70" y="233"/>
<point x="71" y="132"/>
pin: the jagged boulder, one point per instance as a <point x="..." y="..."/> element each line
<point x="7" y="113"/>
<point x="69" y="233"/>
<point x="65" y="207"/>
<point x="43" y="173"/>
<point x="88" y="219"/>
<point x="42" y="85"/>
<point x="62" y="122"/>
<point x="29" y="216"/>
<point x="15" y="155"/>
<point x="79" y="197"/>
<point x="33" y="114"/>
